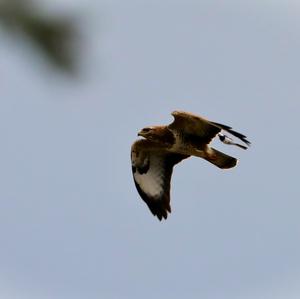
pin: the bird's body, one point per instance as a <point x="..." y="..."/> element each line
<point x="154" y="157"/>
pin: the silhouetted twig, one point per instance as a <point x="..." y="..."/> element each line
<point x="53" y="37"/>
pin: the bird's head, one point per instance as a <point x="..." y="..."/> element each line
<point x="158" y="134"/>
<point x="146" y="132"/>
<point x="150" y="133"/>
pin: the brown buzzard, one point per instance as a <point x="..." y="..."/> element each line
<point x="154" y="156"/>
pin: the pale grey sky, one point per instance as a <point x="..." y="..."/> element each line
<point x="71" y="222"/>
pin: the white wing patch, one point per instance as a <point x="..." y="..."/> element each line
<point x="152" y="182"/>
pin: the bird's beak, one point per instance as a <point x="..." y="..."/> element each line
<point x="141" y="133"/>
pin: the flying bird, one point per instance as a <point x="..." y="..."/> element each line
<point x="154" y="156"/>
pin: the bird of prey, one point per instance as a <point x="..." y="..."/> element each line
<point x="154" y="156"/>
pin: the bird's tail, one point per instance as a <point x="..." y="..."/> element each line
<point x="220" y="159"/>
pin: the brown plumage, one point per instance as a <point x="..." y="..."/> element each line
<point x="154" y="157"/>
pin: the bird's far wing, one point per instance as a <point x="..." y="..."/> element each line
<point x="152" y="178"/>
<point x="193" y="126"/>
<point x="200" y="129"/>
<point x="234" y="133"/>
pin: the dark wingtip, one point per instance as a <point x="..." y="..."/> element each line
<point x="162" y="213"/>
<point x="234" y="133"/>
<point x="241" y="146"/>
<point x="158" y="207"/>
<point x="159" y="210"/>
<point x="240" y="136"/>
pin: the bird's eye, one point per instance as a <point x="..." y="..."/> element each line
<point x="146" y="130"/>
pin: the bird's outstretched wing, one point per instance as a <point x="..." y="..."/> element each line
<point x="152" y="171"/>
<point x="199" y="129"/>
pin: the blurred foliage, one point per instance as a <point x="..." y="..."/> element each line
<point x="54" y="37"/>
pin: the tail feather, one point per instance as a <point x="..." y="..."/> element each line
<point x="220" y="159"/>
